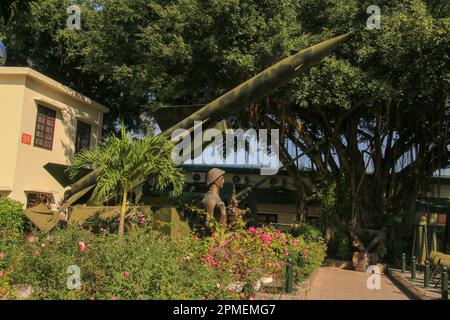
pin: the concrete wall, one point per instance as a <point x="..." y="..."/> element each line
<point x="21" y="91"/>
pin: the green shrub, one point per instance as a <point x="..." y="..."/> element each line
<point x="308" y="232"/>
<point x="145" y="265"/>
<point x="11" y="217"/>
<point x="249" y="253"/>
<point x="11" y="227"/>
<point x="340" y="246"/>
<point x="150" y="265"/>
<point x="309" y="259"/>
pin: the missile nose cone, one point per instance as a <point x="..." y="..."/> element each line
<point x="317" y="52"/>
<point x="320" y="50"/>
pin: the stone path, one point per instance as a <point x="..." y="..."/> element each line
<point x="338" y="284"/>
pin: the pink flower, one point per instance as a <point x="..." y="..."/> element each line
<point x="241" y="295"/>
<point x="1" y="273"/>
<point x="213" y="263"/>
<point x="82" y="246"/>
<point x="305" y="253"/>
<point x="286" y="252"/>
<point x="36" y="253"/>
<point x="266" y="237"/>
<point x="2" y="255"/>
<point x="279" y="265"/>
<point x="113" y="297"/>
<point x="252" y="298"/>
<point x="295" y="243"/>
<point x="218" y="285"/>
<point x="252" y="230"/>
<point x="126" y="274"/>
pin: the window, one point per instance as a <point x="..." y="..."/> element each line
<point x="33" y="199"/>
<point x="267" y="218"/>
<point x="45" y="128"/>
<point x="83" y="136"/>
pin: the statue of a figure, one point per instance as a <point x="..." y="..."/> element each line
<point x="212" y="201"/>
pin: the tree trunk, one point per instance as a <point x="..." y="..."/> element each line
<point x="122" y="215"/>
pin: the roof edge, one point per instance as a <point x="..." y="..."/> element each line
<point x="33" y="74"/>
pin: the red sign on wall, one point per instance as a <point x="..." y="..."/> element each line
<point x="26" y="138"/>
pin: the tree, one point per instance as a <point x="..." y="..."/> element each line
<point x="379" y="104"/>
<point x="12" y="8"/>
<point x="123" y="163"/>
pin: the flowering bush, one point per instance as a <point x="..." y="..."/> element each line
<point x="145" y="265"/>
<point x="150" y="265"/>
<point x="249" y="254"/>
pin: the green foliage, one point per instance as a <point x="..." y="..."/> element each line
<point x="366" y="237"/>
<point x="340" y="246"/>
<point x="334" y="197"/>
<point x="124" y="162"/>
<point x="11" y="217"/>
<point x="250" y="253"/>
<point x="308" y="232"/>
<point x="308" y="259"/>
<point x="12" y="224"/>
<point x="399" y="239"/>
<point x="145" y="265"/>
<point x="14" y="8"/>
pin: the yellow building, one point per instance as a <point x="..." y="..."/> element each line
<point x="41" y="122"/>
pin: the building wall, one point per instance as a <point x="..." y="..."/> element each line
<point x="25" y="172"/>
<point x="11" y="101"/>
<point x="440" y="191"/>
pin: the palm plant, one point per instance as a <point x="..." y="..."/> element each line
<point x="123" y="163"/>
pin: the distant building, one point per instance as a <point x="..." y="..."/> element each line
<point x="275" y="201"/>
<point x="42" y="121"/>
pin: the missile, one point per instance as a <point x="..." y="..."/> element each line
<point x="257" y="87"/>
<point x="260" y="85"/>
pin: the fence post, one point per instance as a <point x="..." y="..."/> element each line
<point x="426" y="278"/>
<point x="413" y="268"/>
<point x="403" y="262"/>
<point x="444" y="284"/>
<point x="289" y="275"/>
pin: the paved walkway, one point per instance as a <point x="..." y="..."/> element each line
<point x="338" y="284"/>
